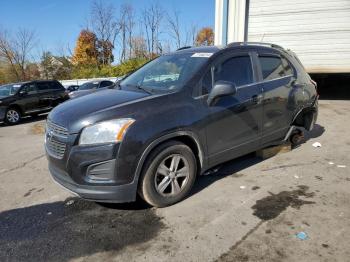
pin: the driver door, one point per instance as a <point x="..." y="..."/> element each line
<point x="30" y="100"/>
<point x="234" y="122"/>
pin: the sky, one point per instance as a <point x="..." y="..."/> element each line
<point x="57" y="23"/>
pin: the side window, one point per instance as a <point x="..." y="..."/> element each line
<point x="274" y="67"/>
<point x="30" y="89"/>
<point x="43" y="86"/>
<point x="237" y="70"/>
<point x="206" y="83"/>
<point x="54" y="86"/>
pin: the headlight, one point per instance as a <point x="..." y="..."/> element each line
<point x="111" y="131"/>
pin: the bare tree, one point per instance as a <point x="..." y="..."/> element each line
<point x="7" y="53"/>
<point x="174" y="27"/>
<point x="126" y="24"/>
<point x="152" y="18"/>
<point x="192" y="34"/>
<point x="15" y="51"/>
<point x="105" y="27"/>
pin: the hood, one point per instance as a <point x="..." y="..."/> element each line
<point x="76" y="113"/>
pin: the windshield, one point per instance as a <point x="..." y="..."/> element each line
<point x="9" y="90"/>
<point x="165" y="73"/>
<point x="89" y="85"/>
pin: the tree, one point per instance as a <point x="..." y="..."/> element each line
<point x="54" y="67"/>
<point x="105" y="28"/>
<point x="15" y="51"/>
<point x="85" y="52"/>
<point x="205" y="37"/>
<point x="139" y="48"/>
<point x="152" y="18"/>
<point x="174" y="28"/>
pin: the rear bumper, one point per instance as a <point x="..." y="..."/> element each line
<point x="98" y="193"/>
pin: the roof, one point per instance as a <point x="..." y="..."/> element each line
<point x="214" y="49"/>
<point x="199" y="49"/>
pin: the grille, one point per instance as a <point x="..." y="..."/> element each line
<point x="56" y="129"/>
<point x="55" y="148"/>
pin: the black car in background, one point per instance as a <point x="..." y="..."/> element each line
<point x="176" y="117"/>
<point x="29" y="98"/>
<point x="91" y="87"/>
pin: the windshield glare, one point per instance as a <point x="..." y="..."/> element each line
<point x="87" y="86"/>
<point x="165" y="73"/>
<point x="9" y="90"/>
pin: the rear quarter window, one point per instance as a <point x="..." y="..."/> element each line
<point x="274" y="67"/>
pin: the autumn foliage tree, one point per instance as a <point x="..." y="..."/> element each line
<point x="85" y="52"/>
<point x="205" y="37"/>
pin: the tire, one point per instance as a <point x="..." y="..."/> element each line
<point x="163" y="182"/>
<point x="13" y="116"/>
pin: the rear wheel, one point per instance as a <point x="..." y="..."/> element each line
<point x="169" y="174"/>
<point x="13" y="116"/>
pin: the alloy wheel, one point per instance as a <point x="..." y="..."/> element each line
<point x="172" y="175"/>
<point x="12" y="116"/>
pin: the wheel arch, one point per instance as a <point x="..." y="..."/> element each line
<point x="16" y="107"/>
<point x="304" y="118"/>
<point x="186" y="137"/>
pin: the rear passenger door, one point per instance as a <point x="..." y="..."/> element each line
<point x="234" y="122"/>
<point x="276" y="75"/>
<point x="57" y="93"/>
<point x="45" y="96"/>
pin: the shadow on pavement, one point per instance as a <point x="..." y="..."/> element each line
<point x="61" y="231"/>
<point x="234" y="167"/>
<point x="27" y="120"/>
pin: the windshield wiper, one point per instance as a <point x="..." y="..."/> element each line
<point x="141" y="88"/>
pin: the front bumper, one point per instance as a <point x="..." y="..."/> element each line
<point x="102" y="193"/>
<point x="90" y="172"/>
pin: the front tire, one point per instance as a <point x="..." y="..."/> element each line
<point x="13" y="116"/>
<point x="169" y="174"/>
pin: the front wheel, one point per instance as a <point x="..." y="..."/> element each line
<point x="13" y="116"/>
<point x="169" y="174"/>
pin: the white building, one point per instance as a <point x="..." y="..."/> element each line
<point x="318" y="31"/>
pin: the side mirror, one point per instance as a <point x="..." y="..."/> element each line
<point x="23" y="93"/>
<point x="221" y="89"/>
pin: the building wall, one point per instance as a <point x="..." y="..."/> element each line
<point x="318" y="31"/>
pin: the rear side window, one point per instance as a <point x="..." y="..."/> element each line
<point x="237" y="70"/>
<point x="55" y="86"/>
<point x="43" y="86"/>
<point x="274" y="67"/>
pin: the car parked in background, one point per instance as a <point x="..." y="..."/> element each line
<point x="72" y="88"/>
<point x="91" y="87"/>
<point x="29" y="98"/>
<point x="177" y="117"/>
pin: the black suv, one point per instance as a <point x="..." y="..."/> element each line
<point x="29" y="98"/>
<point x="176" y="117"/>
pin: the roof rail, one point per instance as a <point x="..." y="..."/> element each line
<point x="184" y="47"/>
<point x="254" y="43"/>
